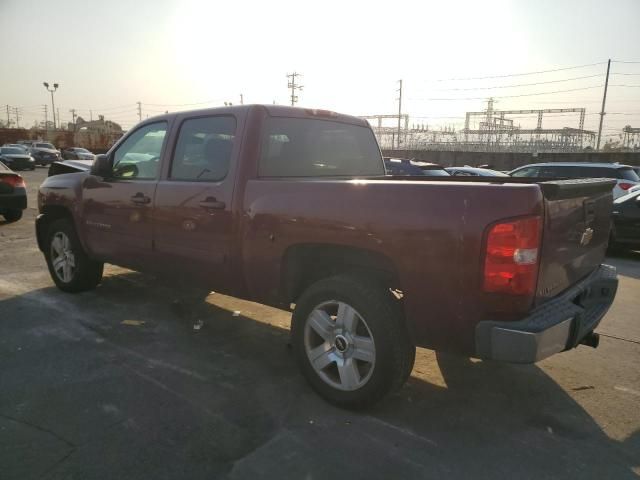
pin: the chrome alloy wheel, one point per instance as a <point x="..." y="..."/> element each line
<point x="62" y="258"/>
<point x="339" y="345"/>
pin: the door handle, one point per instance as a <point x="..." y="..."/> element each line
<point x="140" y="198"/>
<point x="211" y="203"/>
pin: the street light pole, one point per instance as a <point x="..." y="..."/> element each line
<point x="53" y="105"/>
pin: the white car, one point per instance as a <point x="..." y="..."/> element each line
<point x="625" y="176"/>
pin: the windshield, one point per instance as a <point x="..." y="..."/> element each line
<point x="82" y="150"/>
<point x="45" y="145"/>
<point x="12" y="151"/>
<point x="434" y="172"/>
<point x="628" y="174"/>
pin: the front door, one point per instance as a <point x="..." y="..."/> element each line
<point x="192" y="215"/>
<point x="118" y="210"/>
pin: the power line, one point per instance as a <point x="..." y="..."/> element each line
<point x="519" y="85"/>
<point x="622" y="61"/>
<point x="513" y="96"/>
<point x="521" y="74"/>
<point x="215" y="100"/>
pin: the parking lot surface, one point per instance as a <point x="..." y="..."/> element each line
<point x="117" y="383"/>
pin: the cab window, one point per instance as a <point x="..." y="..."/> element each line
<point x="138" y="157"/>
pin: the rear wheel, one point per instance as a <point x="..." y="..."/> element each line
<point x="350" y="341"/>
<point x="70" y="267"/>
<point x="12" y="215"/>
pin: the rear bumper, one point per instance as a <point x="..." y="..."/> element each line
<point x="557" y="325"/>
<point x="14" y="201"/>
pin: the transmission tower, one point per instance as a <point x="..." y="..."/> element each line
<point x="293" y="86"/>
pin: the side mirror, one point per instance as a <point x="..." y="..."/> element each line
<point x="102" y="166"/>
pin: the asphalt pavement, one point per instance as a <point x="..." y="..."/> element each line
<point x="117" y="383"/>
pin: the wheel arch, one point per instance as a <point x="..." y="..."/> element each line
<point x="49" y="214"/>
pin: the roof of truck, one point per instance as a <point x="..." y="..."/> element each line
<point x="274" y="111"/>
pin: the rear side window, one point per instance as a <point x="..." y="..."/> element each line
<point x="598" y="172"/>
<point x="295" y="147"/>
<point x="563" y="171"/>
<point x="628" y="174"/>
<point x="526" y="172"/>
<point x="203" y="150"/>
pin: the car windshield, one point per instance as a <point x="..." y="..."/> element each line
<point x="434" y="171"/>
<point x="628" y="174"/>
<point x="45" y="145"/>
<point x="81" y="150"/>
<point x="11" y="151"/>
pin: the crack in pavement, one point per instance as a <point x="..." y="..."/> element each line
<point x="637" y="342"/>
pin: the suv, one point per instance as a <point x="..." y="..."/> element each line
<point x="624" y="175"/>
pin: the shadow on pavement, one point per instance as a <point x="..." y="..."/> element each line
<point x="84" y="396"/>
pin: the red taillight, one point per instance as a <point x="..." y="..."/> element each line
<point x="13" y="180"/>
<point x="511" y="262"/>
<point x="625" y="186"/>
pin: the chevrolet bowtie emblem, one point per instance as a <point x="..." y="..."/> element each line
<point x="586" y="237"/>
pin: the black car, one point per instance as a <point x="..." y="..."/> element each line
<point x="16" y="158"/>
<point x="474" y="172"/>
<point x="404" y="167"/>
<point x="13" y="194"/>
<point x="44" y="153"/>
<point x="625" y="231"/>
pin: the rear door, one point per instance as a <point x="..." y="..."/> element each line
<point x="193" y="224"/>
<point x="117" y="211"/>
<point x="576" y="232"/>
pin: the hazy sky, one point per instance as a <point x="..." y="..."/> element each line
<point x="108" y="55"/>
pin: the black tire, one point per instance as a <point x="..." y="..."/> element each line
<point x="12" y="215"/>
<point x="394" y="353"/>
<point x="87" y="273"/>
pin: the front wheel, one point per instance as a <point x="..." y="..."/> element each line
<point x="70" y="267"/>
<point x="350" y="341"/>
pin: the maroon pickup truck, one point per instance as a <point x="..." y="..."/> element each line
<point x="289" y="206"/>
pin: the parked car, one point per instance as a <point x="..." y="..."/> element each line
<point x="16" y="158"/>
<point x="290" y="206"/>
<point x="17" y="145"/>
<point x="624" y="175"/>
<point x="474" y="172"/>
<point x="401" y="166"/>
<point x="13" y="194"/>
<point x="77" y="153"/>
<point x="625" y="229"/>
<point x="44" y="153"/>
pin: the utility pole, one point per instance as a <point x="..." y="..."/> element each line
<point x="604" y="101"/>
<point x="292" y="85"/>
<point x="73" y="117"/>
<point x="241" y="99"/>
<point x="8" y="119"/>
<point x="399" y="114"/>
<point x="58" y="117"/>
<point x="17" y="112"/>
<point x="91" y="115"/>
<point x="139" y="111"/>
<point x="46" y="122"/>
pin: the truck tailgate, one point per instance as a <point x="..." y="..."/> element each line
<point x="575" y="234"/>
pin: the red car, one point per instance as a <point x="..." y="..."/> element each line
<point x="13" y="194"/>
